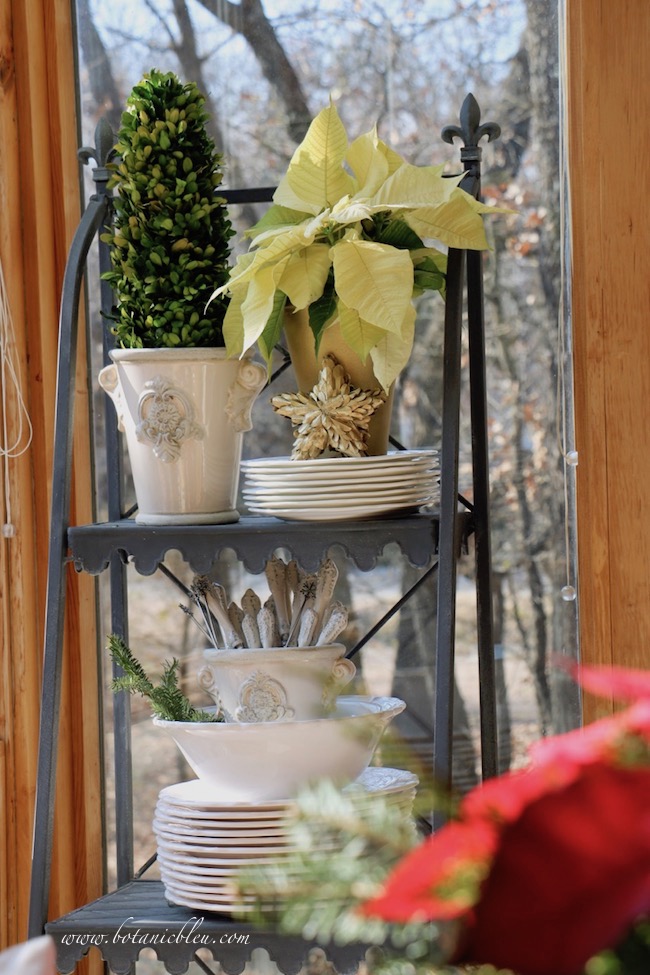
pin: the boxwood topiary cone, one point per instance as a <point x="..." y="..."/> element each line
<point x="169" y="240"/>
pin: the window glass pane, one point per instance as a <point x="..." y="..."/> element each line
<point x="266" y="67"/>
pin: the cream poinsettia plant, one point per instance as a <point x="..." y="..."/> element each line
<point x="345" y="239"/>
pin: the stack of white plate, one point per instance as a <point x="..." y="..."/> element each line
<point x="338" y="488"/>
<point x="204" y="843"/>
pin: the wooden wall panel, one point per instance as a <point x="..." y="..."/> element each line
<point x="40" y="208"/>
<point x="609" y="141"/>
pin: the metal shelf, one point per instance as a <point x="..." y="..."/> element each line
<point x="137" y="916"/>
<point x="253" y="540"/>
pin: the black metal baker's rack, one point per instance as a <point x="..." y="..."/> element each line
<point x="431" y="541"/>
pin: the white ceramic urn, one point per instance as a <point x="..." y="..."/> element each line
<point x="184" y="413"/>
<point x="276" y="683"/>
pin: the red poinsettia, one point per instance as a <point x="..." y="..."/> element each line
<point x="546" y="866"/>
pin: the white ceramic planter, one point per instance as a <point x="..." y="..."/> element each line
<point x="276" y="684"/>
<point x="184" y="412"/>
<point x="274" y="760"/>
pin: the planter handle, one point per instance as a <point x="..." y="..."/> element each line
<point x="251" y="379"/>
<point x="342" y="673"/>
<point x="108" y="380"/>
<point x="206" y="681"/>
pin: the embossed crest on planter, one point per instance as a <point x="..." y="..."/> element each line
<point x="166" y="419"/>
<point x="262" y="698"/>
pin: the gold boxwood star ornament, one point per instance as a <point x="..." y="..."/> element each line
<point x="334" y="415"/>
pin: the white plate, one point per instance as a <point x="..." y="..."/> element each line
<point x="403" y="458"/>
<point x="397" y="498"/>
<point x="217" y="874"/>
<point x="214" y="866"/>
<point x="170" y="834"/>
<point x="197" y="795"/>
<point x="376" y="780"/>
<point x="327" y="514"/>
<point x="340" y="480"/>
<point x="176" y="833"/>
<point x="182" y="827"/>
<point x="226" y="819"/>
<point x="201" y="904"/>
<point x="221" y="888"/>
<point x="365" y="489"/>
<point x="223" y="901"/>
<point x="362" y="488"/>
<point x="197" y="800"/>
<point x="222" y="851"/>
<point x="407" y="458"/>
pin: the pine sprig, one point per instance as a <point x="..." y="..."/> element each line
<point x="167" y="699"/>
<point x="341" y="857"/>
<point x="123" y="657"/>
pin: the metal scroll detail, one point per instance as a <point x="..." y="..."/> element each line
<point x="262" y="698"/>
<point x="166" y="419"/>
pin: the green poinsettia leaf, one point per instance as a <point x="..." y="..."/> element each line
<point x="316" y="178"/>
<point x="397" y="233"/>
<point x="323" y="311"/>
<point x="276" y="217"/>
<point x="392" y="352"/>
<point x="375" y="280"/>
<point x="273" y="328"/>
<point x="305" y="275"/>
<point x="429" y="270"/>
<point x="456" y="223"/>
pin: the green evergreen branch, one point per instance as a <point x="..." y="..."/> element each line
<point x="167" y="699"/>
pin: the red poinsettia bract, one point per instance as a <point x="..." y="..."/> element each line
<point x="549" y="865"/>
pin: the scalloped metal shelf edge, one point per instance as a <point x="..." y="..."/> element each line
<point x="254" y="540"/>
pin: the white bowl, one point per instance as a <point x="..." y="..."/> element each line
<point x="277" y="683"/>
<point x="275" y="759"/>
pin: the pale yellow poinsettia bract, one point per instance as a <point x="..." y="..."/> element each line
<point x="348" y="228"/>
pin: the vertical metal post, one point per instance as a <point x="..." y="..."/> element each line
<point x="118" y="600"/>
<point x="91" y="221"/>
<point x="471" y="131"/>
<point x="448" y="538"/>
<point x="481" y="477"/>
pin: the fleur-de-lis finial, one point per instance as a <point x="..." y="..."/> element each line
<point x="470" y="131"/>
<point x="102" y="153"/>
